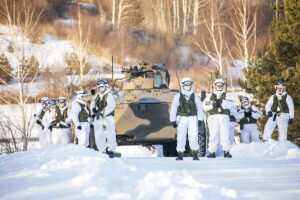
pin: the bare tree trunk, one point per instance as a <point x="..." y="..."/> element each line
<point x="178" y="15"/>
<point x="113" y="12"/>
<point x="120" y="13"/>
<point x="174" y="15"/>
<point x="196" y="16"/>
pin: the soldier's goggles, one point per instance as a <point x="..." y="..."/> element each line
<point x="188" y="83"/>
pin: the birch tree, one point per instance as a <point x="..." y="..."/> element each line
<point x="81" y="36"/>
<point x="244" y="32"/>
<point x="214" y="45"/>
<point x="22" y="20"/>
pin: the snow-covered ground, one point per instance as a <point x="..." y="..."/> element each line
<point x="256" y="171"/>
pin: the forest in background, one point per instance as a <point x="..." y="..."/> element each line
<point x="192" y="37"/>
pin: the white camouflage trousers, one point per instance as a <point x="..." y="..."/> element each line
<point x="105" y="134"/>
<point x="250" y="131"/>
<point x="231" y="132"/>
<point x="218" y="125"/>
<point x="61" y="135"/>
<point x="187" y="125"/>
<point x="45" y="137"/>
<point x="83" y="134"/>
<point x="282" y="123"/>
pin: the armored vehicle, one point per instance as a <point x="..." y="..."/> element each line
<point x="143" y="106"/>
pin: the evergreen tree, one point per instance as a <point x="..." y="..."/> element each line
<point x="279" y="62"/>
<point x="5" y="69"/>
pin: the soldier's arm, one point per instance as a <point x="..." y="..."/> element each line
<point x="174" y="107"/>
<point x="74" y="114"/>
<point x="228" y="102"/>
<point x="240" y="114"/>
<point x="93" y="104"/>
<point x="269" y="104"/>
<point x="207" y="104"/>
<point x="290" y="104"/>
<point x="256" y="113"/>
<point x="111" y="104"/>
<point x="200" y="113"/>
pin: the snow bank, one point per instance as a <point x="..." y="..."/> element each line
<point x="268" y="150"/>
<point x="74" y="172"/>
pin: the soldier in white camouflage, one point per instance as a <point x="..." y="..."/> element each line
<point x="280" y="109"/>
<point x="247" y="116"/>
<point x="103" y="106"/>
<point x="80" y="115"/>
<point x="39" y="115"/>
<point x="186" y="115"/>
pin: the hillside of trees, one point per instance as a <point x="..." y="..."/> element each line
<point x="192" y="37"/>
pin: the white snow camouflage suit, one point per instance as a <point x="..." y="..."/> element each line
<point x="80" y="117"/>
<point x="104" y="127"/>
<point x="186" y="124"/>
<point x="61" y="133"/>
<point x="218" y="121"/>
<point x="285" y="111"/>
<point x="248" y="124"/>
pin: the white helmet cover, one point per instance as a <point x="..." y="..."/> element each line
<point x="62" y="100"/>
<point x="81" y="94"/>
<point x="102" y="83"/>
<point x="186" y="81"/>
<point x="44" y="100"/>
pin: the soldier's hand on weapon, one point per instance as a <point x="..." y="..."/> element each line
<point x="217" y="103"/>
<point x="38" y="122"/>
<point x="79" y="127"/>
<point x="200" y="122"/>
<point x="291" y="121"/>
<point x="94" y="110"/>
<point x="174" y="124"/>
<point x="270" y="114"/>
<point x="50" y="128"/>
<point x="248" y="113"/>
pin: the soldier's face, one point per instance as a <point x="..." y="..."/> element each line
<point x="219" y="86"/>
<point x="44" y="104"/>
<point x="246" y="104"/>
<point x="61" y="104"/>
<point x="102" y="88"/>
<point x="187" y="87"/>
<point x="280" y="89"/>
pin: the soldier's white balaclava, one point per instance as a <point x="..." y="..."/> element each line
<point x="186" y="84"/>
<point x="245" y="102"/>
<point x="280" y="88"/>
<point x="62" y="102"/>
<point x="219" y="86"/>
<point x="102" y="85"/>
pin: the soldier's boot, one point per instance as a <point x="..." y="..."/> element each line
<point x="111" y="154"/>
<point x="212" y="155"/>
<point x="180" y="156"/>
<point x="227" y="154"/>
<point x="195" y="155"/>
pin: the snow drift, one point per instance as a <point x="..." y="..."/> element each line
<point x="74" y="172"/>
